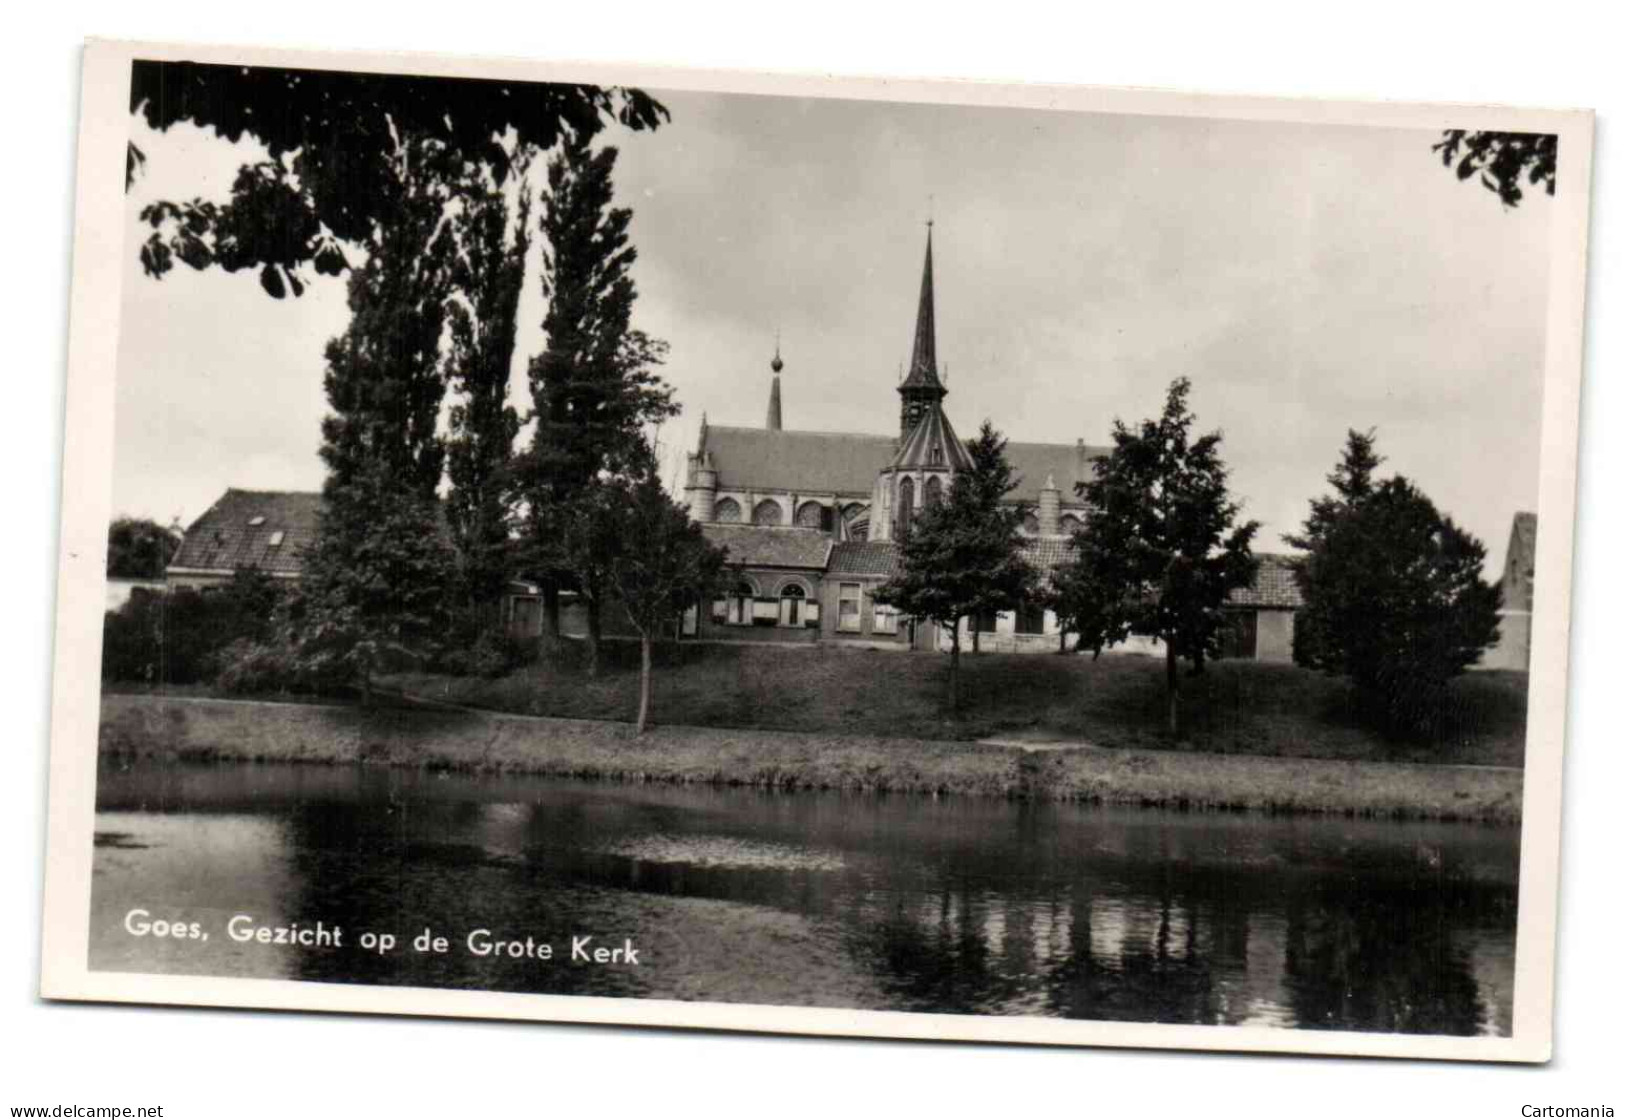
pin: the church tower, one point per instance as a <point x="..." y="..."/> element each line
<point x="929" y="451"/>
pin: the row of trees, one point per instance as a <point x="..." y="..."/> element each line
<point x="421" y="190"/>
<point x="1394" y="595"/>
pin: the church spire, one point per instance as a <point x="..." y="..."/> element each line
<point x="922" y="390"/>
<point x="922" y="367"/>
<point x="775" y="411"/>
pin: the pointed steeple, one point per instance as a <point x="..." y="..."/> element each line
<point x="922" y="390"/>
<point x="922" y="366"/>
<point x="775" y="411"/>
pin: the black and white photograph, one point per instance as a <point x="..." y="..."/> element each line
<point x="816" y="556"/>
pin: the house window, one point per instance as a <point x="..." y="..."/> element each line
<point x="849" y="609"/>
<point x="792" y="603"/>
<point x="1030" y="620"/>
<point x="255" y="522"/>
<point x="885" y="619"/>
<point x="985" y="622"/>
<point x="277" y="538"/>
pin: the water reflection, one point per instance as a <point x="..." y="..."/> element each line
<point x="843" y="901"/>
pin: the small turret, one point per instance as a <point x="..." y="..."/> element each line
<point x="701" y="487"/>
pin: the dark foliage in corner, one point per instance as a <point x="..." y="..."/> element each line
<point x="1503" y="161"/>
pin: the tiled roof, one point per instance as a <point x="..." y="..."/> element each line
<point x="808" y="462"/>
<point x="1046" y="554"/>
<point x="864" y="558"/>
<point x="224" y="540"/>
<point x="1276" y="585"/>
<point x="770" y="546"/>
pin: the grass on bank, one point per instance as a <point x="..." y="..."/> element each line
<point x="1235" y="707"/>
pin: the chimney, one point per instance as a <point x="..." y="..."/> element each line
<point x="1049" y="509"/>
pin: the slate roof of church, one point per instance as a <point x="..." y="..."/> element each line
<point x="762" y="546"/>
<point x="933" y="431"/>
<point x="807" y="462"/>
<point x="224" y="540"/>
<point x="1070" y="463"/>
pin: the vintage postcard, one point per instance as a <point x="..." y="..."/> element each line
<point x="882" y="558"/>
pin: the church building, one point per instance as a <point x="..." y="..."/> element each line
<point x="810" y="519"/>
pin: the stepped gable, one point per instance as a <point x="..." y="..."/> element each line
<point x="762" y="546"/>
<point x="803" y="462"/>
<point x="236" y="533"/>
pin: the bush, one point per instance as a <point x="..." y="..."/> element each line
<point x="492" y="653"/>
<point x="172" y="637"/>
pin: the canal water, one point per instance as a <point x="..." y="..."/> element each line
<point x="835" y="900"/>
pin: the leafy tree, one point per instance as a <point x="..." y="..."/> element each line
<point x="964" y="554"/>
<point x="1503" y="161"/>
<point x="662" y="566"/>
<point x="379" y="573"/>
<point x="139" y="549"/>
<point x="376" y="580"/>
<point x="1160" y="550"/>
<point x="488" y="276"/>
<point x="1394" y="595"/>
<point x="331" y="140"/>
<point x="595" y="386"/>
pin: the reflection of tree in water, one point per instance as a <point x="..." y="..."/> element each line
<point x="1161" y="973"/>
<point x="1383" y="959"/>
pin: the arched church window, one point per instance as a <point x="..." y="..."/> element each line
<point x="936" y="453"/>
<point x="767" y="512"/>
<point x="1070" y="523"/>
<point x="728" y="511"/>
<point x="810" y="515"/>
<point x="933" y="491"/>
<point x="1029" y="526"/>
<point x="905" y="503"/>
<point x="792" y="603"/>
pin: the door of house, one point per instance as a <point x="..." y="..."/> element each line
<point x="925" y="635"/>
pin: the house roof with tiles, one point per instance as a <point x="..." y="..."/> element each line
<point x="264" y="530"/>
<point x="864" y="558"/>
<point x="1275" y="587"/>
<point x="761" y="546"/>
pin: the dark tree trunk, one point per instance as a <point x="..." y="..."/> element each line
<point x="1173" y="689"/>
<point x="595" y="634"/>
<point x="1198" y="661"/>
<point x="975" y="636"/>
<point x="953" y="671"/>
<point x="646" y="685"/>
<point x="1062" y="647"/>
<point x="550" y="618"/>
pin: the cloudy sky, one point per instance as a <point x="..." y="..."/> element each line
<point x="1307" y="279"/>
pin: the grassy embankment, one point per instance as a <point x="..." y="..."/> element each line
<point x="1266" y="738"/>
<point x="1236" y="707"/>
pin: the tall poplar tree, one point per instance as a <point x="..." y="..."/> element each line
<point x="595" y="387"/>
<point x="493" y="240"/>
<point x="377" y="576"/>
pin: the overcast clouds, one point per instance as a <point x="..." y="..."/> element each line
<point x="1307" y="279"/>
